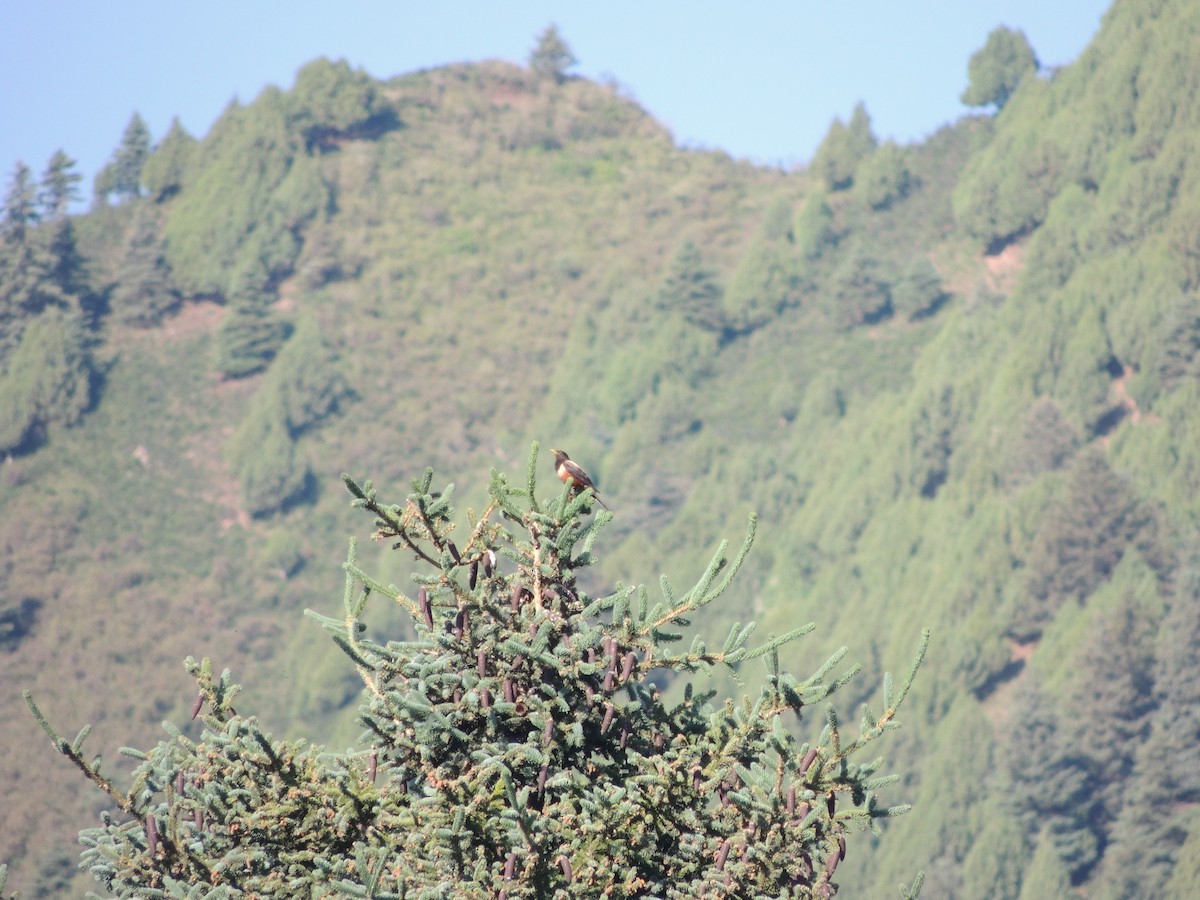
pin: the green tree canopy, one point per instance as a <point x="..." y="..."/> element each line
<point x="918" y="291"/>
<point x="860" y="291"/>
<point x="996" y="69"/>
<point x="518" y="745"/>
<point x="691" y="289"/>
<point x="551" y="57"/>
<point x="168" y="165"/>
<point x="123" y="175"/>
<point x="885" y="177"/>
<point x="1080" y="541"/>
<point x="59" y="187"/>
<point x="40" y="265"/>
<point x="332" y="100"/>
<point x="844" y="147"/>
<point x="249" y="337"/>
<point x="20" y="205"/>
<point x="144" y="294"/>
<point x="303" y="387"/>
<point x="813" y="230"/>
<point x="764" y="282"/>
<point x="49" y="380"/>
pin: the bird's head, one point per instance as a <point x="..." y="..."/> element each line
<point x="559" y="456"/>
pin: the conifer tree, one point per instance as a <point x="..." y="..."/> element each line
<point x="168" y="166"/>
<point x="1045" y="877"/>
<point x="997" y="68"/>
<point x="122" y="175"/>
<point x="248" y="339"/>
<point x="691" y="289"/>
<point x="767" y="278"/>
<point x="885" y="177"/>
<point x="60" y="186"/>
<point x="1051" y="783"/>
<point x="845" y="146"/>
<point x="1046" y="442"/>
<point x="20" y="204"/>
<point x="40" y="265"/>
<point x="144" y="294"/>
<point x="813" y="230"/>
<point x="518" y="745"/>
<point x="331" y="100"/>
<point x="1080" y="541"/>
<point x="19" y="272"/>
<point x="919" y="290"/>
<point x="49" y="379"/>
<point x="131" y="157"/>
<point x="860" y="290"/>
<point x="551" y="57"/>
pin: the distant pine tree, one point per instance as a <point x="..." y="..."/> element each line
<point x="249" y="337"/>
<point x="845" y="146"/>
<point x="691" y="289"/>
<point x="168" y="166"/>
<point x="144" y="294"/>
<point x="331" y="100"/>
<point x="997" y="68"/>
<point x="1080" y="541"/>
<point x="121" y="176"/>
<point x="551" y="57"/>
<point x="60" y="186"/>
<point x="518" y="746"/>
<point x="49" y="380"/>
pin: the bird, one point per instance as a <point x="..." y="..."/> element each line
<point x="569" y="472"/>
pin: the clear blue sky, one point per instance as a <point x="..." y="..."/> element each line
<point x="762" y="80"/>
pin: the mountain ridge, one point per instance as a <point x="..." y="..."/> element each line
<point x="957" y="390"/>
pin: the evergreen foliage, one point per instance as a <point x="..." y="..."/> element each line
<point x="844" y="147"/>
<point x="271" y="477"/>
<point x="23" y="270"/>
<point x="59" y="186"/>
<point x="997" y="68"/>
<point x="498" y="268"/>
<point x="1185" y="877"/>
<point x="168" y="166"/>
<point x="692" y="290"/>
<point x="551" y="57"/>
<point x="235" y="234"/>
<point x="248" y="339"/>
<point x="1045" y="878"/>
<point x="861" y="293"/>
<point x="1155" y="818"/>
<point x="993" y="866"/>
<point x="332" y="101"/>
<point x="1046" y="441"/>
<point x="519" y="745"/>
<point x="1052" y="783"/>
<point x="885" y="177"/>
<point x="1180" y="357"/>
<point x="813" y="232"/>
<point x="144" y="294"/>
<point x="1081" y="540"/>
<point x="46" y="371"/>
<point x="49" y="380"/>
<point x="302" y="388"/>
<point x="765" y="282"/>
<point x="123" y="174"/>
<point x="918" y="290"/>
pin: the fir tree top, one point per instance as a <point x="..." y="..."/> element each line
<point x="519" y="745"/>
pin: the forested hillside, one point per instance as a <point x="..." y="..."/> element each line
<point x="959" y="382"/>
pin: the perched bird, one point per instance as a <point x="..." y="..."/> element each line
<point x="569" y="472"/>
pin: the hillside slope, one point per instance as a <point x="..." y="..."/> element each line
<point x="959" y="386"/>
